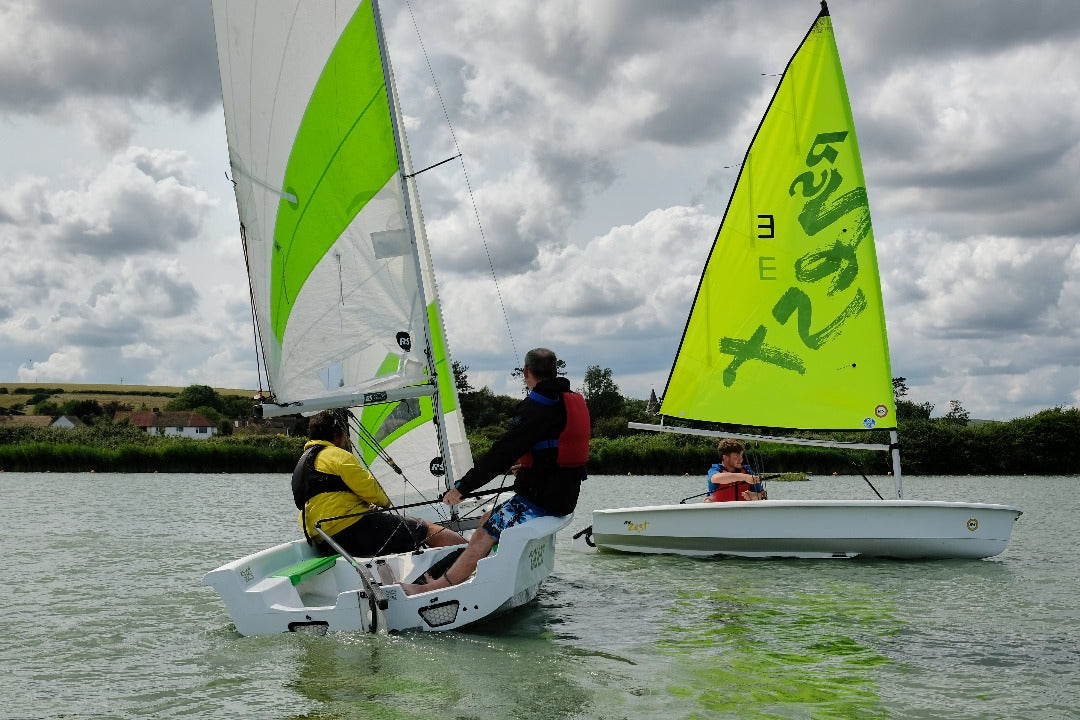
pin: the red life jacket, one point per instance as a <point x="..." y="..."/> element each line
<point x="573" y="441"/>
<point x="731" y="491"/>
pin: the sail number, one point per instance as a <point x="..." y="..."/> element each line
<point x="536" y="557"/>
<point x="833" y="262"/>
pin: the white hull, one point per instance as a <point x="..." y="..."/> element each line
<point x="810" y="529"/>
<point x="336" y="599"/>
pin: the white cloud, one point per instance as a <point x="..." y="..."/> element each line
<point x="601" y="141"/>
<point x="67" y="366"/>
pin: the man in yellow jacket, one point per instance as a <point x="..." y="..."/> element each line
<point x="330" y="482"/>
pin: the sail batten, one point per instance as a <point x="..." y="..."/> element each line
<point x="787" y="328"/>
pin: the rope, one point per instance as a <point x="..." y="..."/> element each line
<point x="259" y="366"/>
<point x="465" y="172"/>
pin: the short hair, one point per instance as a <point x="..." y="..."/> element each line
<point x="729" y="445"/>
<point x="542" y="363"/>
<point x="326" y="425"/>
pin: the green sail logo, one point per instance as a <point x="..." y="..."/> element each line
<point x="835" y="261"/>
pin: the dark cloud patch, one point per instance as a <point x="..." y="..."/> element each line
<point x="142" y="202"/>
<point x="603" y="297"/>
<point x="697" y="112"/>
<point x="504" y="246"/>
<point x="572" y="172"/>
<point x="591" y="44"/>
<point x="895" y="34"/>
<point x="137" y="224"/>
<point x="134" y="50"/>
<point x="74" y="325"/>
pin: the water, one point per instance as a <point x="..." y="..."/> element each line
<point x="104" y="617"/>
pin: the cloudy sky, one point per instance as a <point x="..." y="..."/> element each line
<point x="600" y="141"/>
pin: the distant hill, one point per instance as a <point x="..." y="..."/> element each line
<point x="17" y="393"/>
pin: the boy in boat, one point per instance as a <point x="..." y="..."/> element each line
<point x="731" y="478"/>
<point x="546" y="448"/>
<point x="329" y="482"/>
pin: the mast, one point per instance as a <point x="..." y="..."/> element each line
<point x="405" y="164"/>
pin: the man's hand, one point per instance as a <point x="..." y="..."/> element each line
<point x="452" y="497"/>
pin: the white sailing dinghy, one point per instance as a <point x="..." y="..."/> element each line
<point x="347" y="312"/>
<point x="788" y="331"/>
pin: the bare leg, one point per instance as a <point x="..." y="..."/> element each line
<point x="438" y="536"/>
<point x="479" y="546"/>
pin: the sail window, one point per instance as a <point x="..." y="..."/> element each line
<point x="390" y="244"/>
<point x="403" y="413"/>
<point x="333" y="376"/>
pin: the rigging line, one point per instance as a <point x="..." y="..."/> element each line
<point x="365" y="435"/>
<point x="259" y="366"/>
<point x="465" y="172"/>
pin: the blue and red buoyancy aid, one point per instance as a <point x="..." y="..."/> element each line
<point x="573" y="441"/>
<point x="731" y="491"/>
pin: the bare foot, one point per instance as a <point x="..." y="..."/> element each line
<point x="414" y="589"/>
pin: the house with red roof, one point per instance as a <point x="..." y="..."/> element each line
<point x="179" y="423"/>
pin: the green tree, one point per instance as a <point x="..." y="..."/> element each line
<point x="483" y="408"/>
<point x="601" y="394"/>
<point x="957" y="415"/>
<point x="461" y="377"/>
<point x="47" y="407"/>
<point x="111" y="407"/>
<point x="907" y="410"/>
<point x="237" y="407"/>
<point x="86" y="410"/>
<point x="195" y="396"/>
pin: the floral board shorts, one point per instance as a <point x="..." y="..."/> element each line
<point x="514" y="511"/>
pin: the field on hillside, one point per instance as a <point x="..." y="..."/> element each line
<point x="139" y="397"/>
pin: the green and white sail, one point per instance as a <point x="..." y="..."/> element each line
<point x="340" y="272"/>
<point x="787" y="328"/>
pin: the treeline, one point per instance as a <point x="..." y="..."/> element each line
<point x="1047" y="442"/>
<point x="119" y="447"/>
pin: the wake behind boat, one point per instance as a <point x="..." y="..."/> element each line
<point x="787" y="331"/>
<point x="344" y="294"/>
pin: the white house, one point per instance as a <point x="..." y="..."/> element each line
<point x="182" y="423"/>
<point x="67" y="422"/>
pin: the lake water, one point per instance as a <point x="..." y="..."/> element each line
<point x="104" y="617"/>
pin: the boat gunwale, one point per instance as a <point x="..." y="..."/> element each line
<point x="777" y="504"/>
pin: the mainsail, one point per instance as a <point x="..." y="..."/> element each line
<point x="787" y="328"/>
<point x="340" y="272"/>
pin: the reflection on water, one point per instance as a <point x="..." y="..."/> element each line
<point x="106" y="618"/>
<point x="742" y="651"/>
<point x="478" y="674"/>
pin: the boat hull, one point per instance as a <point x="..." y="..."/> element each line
<point x="901" y="529"/>
<point x="262" y="603"/>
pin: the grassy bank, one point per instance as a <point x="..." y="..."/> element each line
<point x="130" y="450"/>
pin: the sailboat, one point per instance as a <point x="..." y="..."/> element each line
<point x="787" y="330"/>
<point x="343" y="291"/>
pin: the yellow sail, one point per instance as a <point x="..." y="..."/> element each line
<point x="787" y="328"/>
